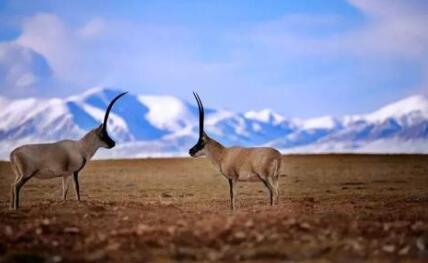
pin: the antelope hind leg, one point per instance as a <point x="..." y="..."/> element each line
<point x="65" y="184"/>
<point x="274" y="186"/>
<point x="76" y="185"/>
<point x="269" y="186"/>
<point x="232" y="190"/>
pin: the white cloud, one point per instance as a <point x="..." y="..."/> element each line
<point x="23" y="72"/>
<point x="113" y="52"/>
<point x="93" y="28"/>
<point x="133" y="54"/>
<point x="397" y="27"/>
<point x="393" y="33"/>
<point x="50" y="37"/>
<point x="390" y="8"/>
<point x="392" y="28"/>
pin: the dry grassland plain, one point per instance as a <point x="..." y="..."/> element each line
<point x="333" y="208"/>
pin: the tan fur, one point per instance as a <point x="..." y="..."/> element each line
<point x="244" y="164"/>
<point x="60" y="159"/>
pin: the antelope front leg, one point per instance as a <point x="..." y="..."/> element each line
<point x="269" y="186"/>
<point x="76" y="185"/>
<point x="12" y="196"/>
<point x="65" y="184"/>
<point x="16" y="188"/>
<point x="276" y="189"/>
<point x="232" y="188"/>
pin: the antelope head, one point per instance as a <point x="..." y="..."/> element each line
<point x="198" y="149"/>
<point x="101" y="132"/>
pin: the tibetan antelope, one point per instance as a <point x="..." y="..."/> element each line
<point x="239" y="163"/>
<point x="64" y="158"/>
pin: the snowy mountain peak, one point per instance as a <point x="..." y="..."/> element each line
<point x="97" y="90"/>
<point x="413" y="104"/>
<point x="168" y="112"/>
<point x="324" y="122"/>
<point x="266" y="115"/>
<point x="158" y="125"/>
<point x="101" y="93"/>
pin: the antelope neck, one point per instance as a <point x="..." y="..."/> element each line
<point x="89" y="144"/>
<point x="214" y="151"/>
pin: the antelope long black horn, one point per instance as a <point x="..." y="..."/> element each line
<point x="201" y="114"/>
<point x="109" y="109"/>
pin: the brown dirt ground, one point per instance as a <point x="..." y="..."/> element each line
<point x="334" y="208"/>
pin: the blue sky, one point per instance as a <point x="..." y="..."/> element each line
<point x="300" y="58"/>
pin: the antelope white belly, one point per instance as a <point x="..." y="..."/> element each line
<point x="47" y="174"/>
<point x="247" y="177"/>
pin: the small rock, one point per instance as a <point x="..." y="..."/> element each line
<point x="166" y="195"/>
<point x="249" y="223"/>
<point x="8" y="230"/>
<point x="388" y="248"/>
<point x="142" y="228"/>
<point x="386" y="227"/>
<point x="291" y="221"/>
<point x="39" y="231"/>
<point x="113" y="246"/>
<point x="417" y="227"/>
<point x="404" y="251"/>
<point x="422" y="242"/>
<point x="356" y="245"/>
<point x="259" y="237"/>
<point x="213" y="256"/>
<point x="166" y="203"/>
<point x="101" y="237"/>
<point x="56" y="259"/>
<point x="171" y="230"/>
<point x="239" y="235"/>
<point x="71" y="230"/>
<point x="305" y="226"/>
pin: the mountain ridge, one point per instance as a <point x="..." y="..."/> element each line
<point x="147" y="125"/>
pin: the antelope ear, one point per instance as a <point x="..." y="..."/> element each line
<point x="99" y="128"/>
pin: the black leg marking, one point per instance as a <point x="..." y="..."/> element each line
<point x="76" y="185"/>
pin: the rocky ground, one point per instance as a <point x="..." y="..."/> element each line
<point x="334" y="208"/>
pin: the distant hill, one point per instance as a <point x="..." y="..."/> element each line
<point x="165" y="125"/>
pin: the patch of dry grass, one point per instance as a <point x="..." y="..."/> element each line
<point x="333" y="207"/>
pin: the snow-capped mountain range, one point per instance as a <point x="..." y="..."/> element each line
<point x="165" y="126"/>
